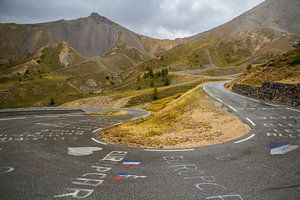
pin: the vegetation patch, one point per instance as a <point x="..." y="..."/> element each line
<point x="295" y="60"/>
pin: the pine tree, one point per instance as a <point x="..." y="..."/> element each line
<point x="151" y="83"/>
<point x="145" y="75"/>
<point x="158" y="74"/>
<point x="52" y="102"/>
<point x="163" y="72"/>
<point x="167" y="82"/>
<point x="155" y="94"/>
<point x="151" y="74"/>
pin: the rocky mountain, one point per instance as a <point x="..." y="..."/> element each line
<point x="97" y="53"/>
<point x="259" y="34"/>
<point x="91" y="36"/>
<point x="268" y="29"/>
<point x="277" y="15"/>
<point x="60" y="72"/>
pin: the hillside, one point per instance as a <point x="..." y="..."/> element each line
<point x="263" y="32"/>
<point x="59" y="72"/>
<point x="91" y="36"/>
<point x="284" y="69"/>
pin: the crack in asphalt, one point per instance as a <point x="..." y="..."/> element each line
<point x="283" y="187"/>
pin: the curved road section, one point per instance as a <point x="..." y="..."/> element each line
<point x="57" y="154"/>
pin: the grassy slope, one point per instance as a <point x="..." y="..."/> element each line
<point x="37" y="92"/>
<point x="285" y="68"/>
<point x="224" y="71"/>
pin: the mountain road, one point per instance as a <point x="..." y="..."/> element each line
<point x="54" y="153"/>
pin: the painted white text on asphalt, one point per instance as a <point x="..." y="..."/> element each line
<point x="204" y="183"/>
<point x="94" y="178"/>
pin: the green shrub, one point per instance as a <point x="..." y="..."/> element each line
<point x="167" y="82"/>
<point x="151" y="83"/>
<point x="52" y="102"/>
<point x="295" y="60"/>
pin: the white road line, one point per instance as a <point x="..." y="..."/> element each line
<point x="243" y="140"/>
<point x="254" y="100"/>
<point x="45" y="124"/>
<point x="95" y="140"/>
<point x="232" y="108"/>
<point x="46" y="116"/>
<point x="272" y="105"/>
<point x="249" y="120"/>
<point x="73" y="115"/>
<point x="118" y="123"/>
<point x="293" y="109"/>
<point x="219" y="99"/>
<point x="98" y="129"/>
<point x="213" y="96"/>
<point x="262" y="118"/>
<point x="13" y="118"/>
<point x="168" y="150"/>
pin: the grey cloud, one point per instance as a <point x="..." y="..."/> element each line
<point x="156" y="18"/>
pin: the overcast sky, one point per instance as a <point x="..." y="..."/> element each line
<point x="156" y="18"/>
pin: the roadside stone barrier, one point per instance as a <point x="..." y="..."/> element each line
<point x="272" y="91"/>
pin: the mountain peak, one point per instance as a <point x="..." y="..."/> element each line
<point x="97" y="17"/>
<point x="94" y="15"/>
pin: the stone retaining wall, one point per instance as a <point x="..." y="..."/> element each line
<point x="270" y="91"/>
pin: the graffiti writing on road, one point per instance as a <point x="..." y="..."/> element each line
<point x="125" y="175"/>
<point x="131" y="163"/>
<point x="203" y="182"/>
<point x="94" y="178"/>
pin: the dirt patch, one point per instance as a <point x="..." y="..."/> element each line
<point x="97" y="102"/>
<point x="191" y="120"/>
<point x="109" y="112"/>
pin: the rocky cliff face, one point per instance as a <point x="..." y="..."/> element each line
<point x="270" y="91"/>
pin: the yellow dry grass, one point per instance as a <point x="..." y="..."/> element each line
<point x="109" y="112"/>
<point x="189" y="120"/>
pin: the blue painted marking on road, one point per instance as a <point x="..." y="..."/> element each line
<point x="280" y="148"/>
<point x="132" y="161"/>
<point x="122" y="173"/>
<point x="276" y="144"/>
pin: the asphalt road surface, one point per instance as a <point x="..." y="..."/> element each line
<point x="57" y="154"/>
